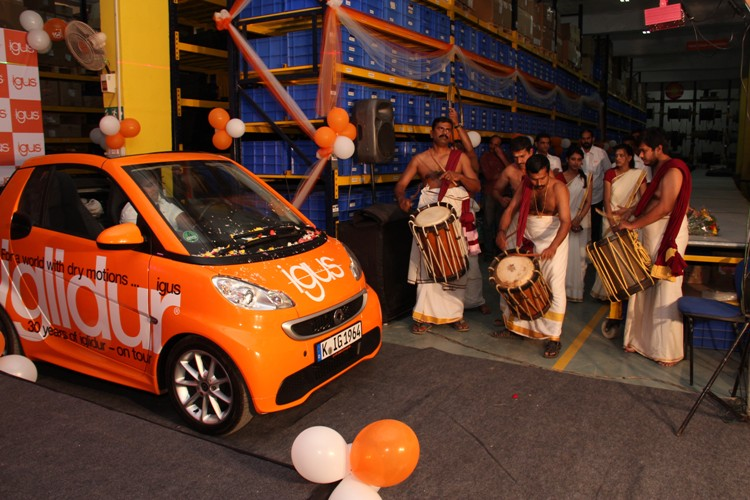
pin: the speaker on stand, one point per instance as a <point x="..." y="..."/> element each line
<point x="376" y="138"/>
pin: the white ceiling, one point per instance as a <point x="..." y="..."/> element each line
<point x="663" y="56"/>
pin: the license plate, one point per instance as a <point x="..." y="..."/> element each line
<point x="338" y="342"/>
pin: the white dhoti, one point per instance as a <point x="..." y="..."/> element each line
<point x="542" y="231"/>
<point x="437" y="303"/>
<point x="653" y="327"/>
<point x="576" y="271"/>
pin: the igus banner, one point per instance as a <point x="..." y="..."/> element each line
<point x="21" y="129"/>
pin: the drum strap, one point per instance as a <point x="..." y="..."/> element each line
<point x="450" y="167"/>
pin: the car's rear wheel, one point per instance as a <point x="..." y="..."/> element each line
<point x="9" y="343"/>
<point x="207" y="388"/>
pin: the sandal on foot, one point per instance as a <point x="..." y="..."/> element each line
<point x="499" y="322"/>
<point x="552" y="349"/>
<point x="460" y="326"/>
<point x="420" y="328"/>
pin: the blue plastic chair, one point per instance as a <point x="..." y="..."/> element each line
<point x="697" y="309"/>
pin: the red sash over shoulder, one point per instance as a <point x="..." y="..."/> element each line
<point x="669" y="263"/>
<point x="450" y="167"/>
<point x="523" y="211"/>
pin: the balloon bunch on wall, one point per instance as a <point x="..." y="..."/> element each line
<point x="225" y="128"/>
<point x="111" y="133"/>
<point x="384" y="453"/>
<point x="338" y="137"/>
<point x="40" y="34"/>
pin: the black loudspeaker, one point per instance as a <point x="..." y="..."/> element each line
<point x="380" y="237"/>
<point x="376" y="140"/>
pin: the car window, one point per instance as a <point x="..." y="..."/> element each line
<point x="70" y="199"/>
<point x="215" y="208"/>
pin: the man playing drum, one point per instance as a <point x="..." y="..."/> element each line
<point x="653" y="326"/>
<point x="447" y="175"/>
<point x="543" y="208"/>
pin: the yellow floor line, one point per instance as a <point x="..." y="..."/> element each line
<point x="571" y="351"/>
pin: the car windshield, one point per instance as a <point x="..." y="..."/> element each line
<point x="217" y="209"/>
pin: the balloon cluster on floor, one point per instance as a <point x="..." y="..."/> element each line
<point x="338" y="137"/>
<point x="111" y="132"/>
<point x="384" y="453"/>
<point x="18" y="366"/>
<point x="225" y="128"/>
<point x="40" y="34"/>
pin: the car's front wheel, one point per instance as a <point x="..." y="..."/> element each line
<point x="207" y="388"/>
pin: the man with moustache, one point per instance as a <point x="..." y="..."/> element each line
<point x="511" y="178"/>
<point x="653" y="327"/>
<point x="595" y="162"/>
<point x="447" y="176"/>
<point x="543" y="206"/>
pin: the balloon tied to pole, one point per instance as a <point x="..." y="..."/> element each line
<point x="337" y="137"/>
<point x="111" y="132"/>
<point x="41" y="34"/>
<point x="225" y="128"/>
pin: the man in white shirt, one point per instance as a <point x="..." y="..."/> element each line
<point x="543" y="142"/>
<point x="595" y="162"/>
<point x="151" y="185"/>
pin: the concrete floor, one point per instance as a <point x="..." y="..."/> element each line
<point x="584" y="350"/>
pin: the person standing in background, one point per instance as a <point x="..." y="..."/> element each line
<point x="491" y="165"/>
<point x="595" y="162"/>
<point x="543" y="142"/>
<point x="579" y="187"/>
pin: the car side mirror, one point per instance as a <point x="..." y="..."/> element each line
<point x="20" y="226"/>
<point x="126" y="235"/>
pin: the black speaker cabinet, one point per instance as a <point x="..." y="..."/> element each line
<point x="379" y="236"/>
<point x="376" y="140"/>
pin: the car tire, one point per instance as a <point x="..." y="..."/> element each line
<point x="10" y="342"/>
<point x="207" y="388"/>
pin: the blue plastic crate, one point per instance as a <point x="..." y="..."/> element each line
<point x="272" y="50"/>
<point x="300" y="4"/>
<point x="306" y="98"/>
<point x="300" y="47"/>
<point x="412" y="15"/>
<point x="394" y="12"/>
<point x="266" y="101"/>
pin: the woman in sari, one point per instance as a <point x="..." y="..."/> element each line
<point x="579" y="186"/>
<point x="623" y="187"/>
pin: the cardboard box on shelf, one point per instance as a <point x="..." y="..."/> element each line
<point x="525" y="24"/>
<point x="587" y="66"/>
<point x="588" y="46"/>
<point x="503" y="16"/>
<point x="10" y="11"/>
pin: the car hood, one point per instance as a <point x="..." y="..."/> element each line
<point x="315" y="279"/>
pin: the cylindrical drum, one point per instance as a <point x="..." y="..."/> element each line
<point x="519" y="280"/>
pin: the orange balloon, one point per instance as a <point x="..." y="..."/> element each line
<point x="115" y="141"/>
<point x="218" y="119"/>
<point x="384" y="453"/>
<point x="324" y="152"/>
<point x="324" y="137"/>
<point x="55" y="28"/>
<point x="129" y="127"/>
<point x="349" y="131"/>
<point x="221" y="139"/>
<point x="338" y="119"/>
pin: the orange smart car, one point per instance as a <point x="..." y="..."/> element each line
<point x="181" y="273"/>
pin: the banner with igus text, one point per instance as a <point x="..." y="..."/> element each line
<point x="21" y="126"/>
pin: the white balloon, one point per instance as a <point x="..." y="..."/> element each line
<point x="565" y="143"/>
<point x="109" y="125"/>
<point x="31" y="20"/>
<point x="39" y="40"/>
<point x="475" y="138"/>
<point x="319" y="455"/>
<point x="235" y="128"/>
<point x="343" y="147"/>
<point x="351" y="488"/>
<point x="18" y="366"/>
<point x="96" y="135"/>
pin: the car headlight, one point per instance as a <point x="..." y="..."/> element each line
<point x="354" y="264"/>
<point x="253" y="297"/>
